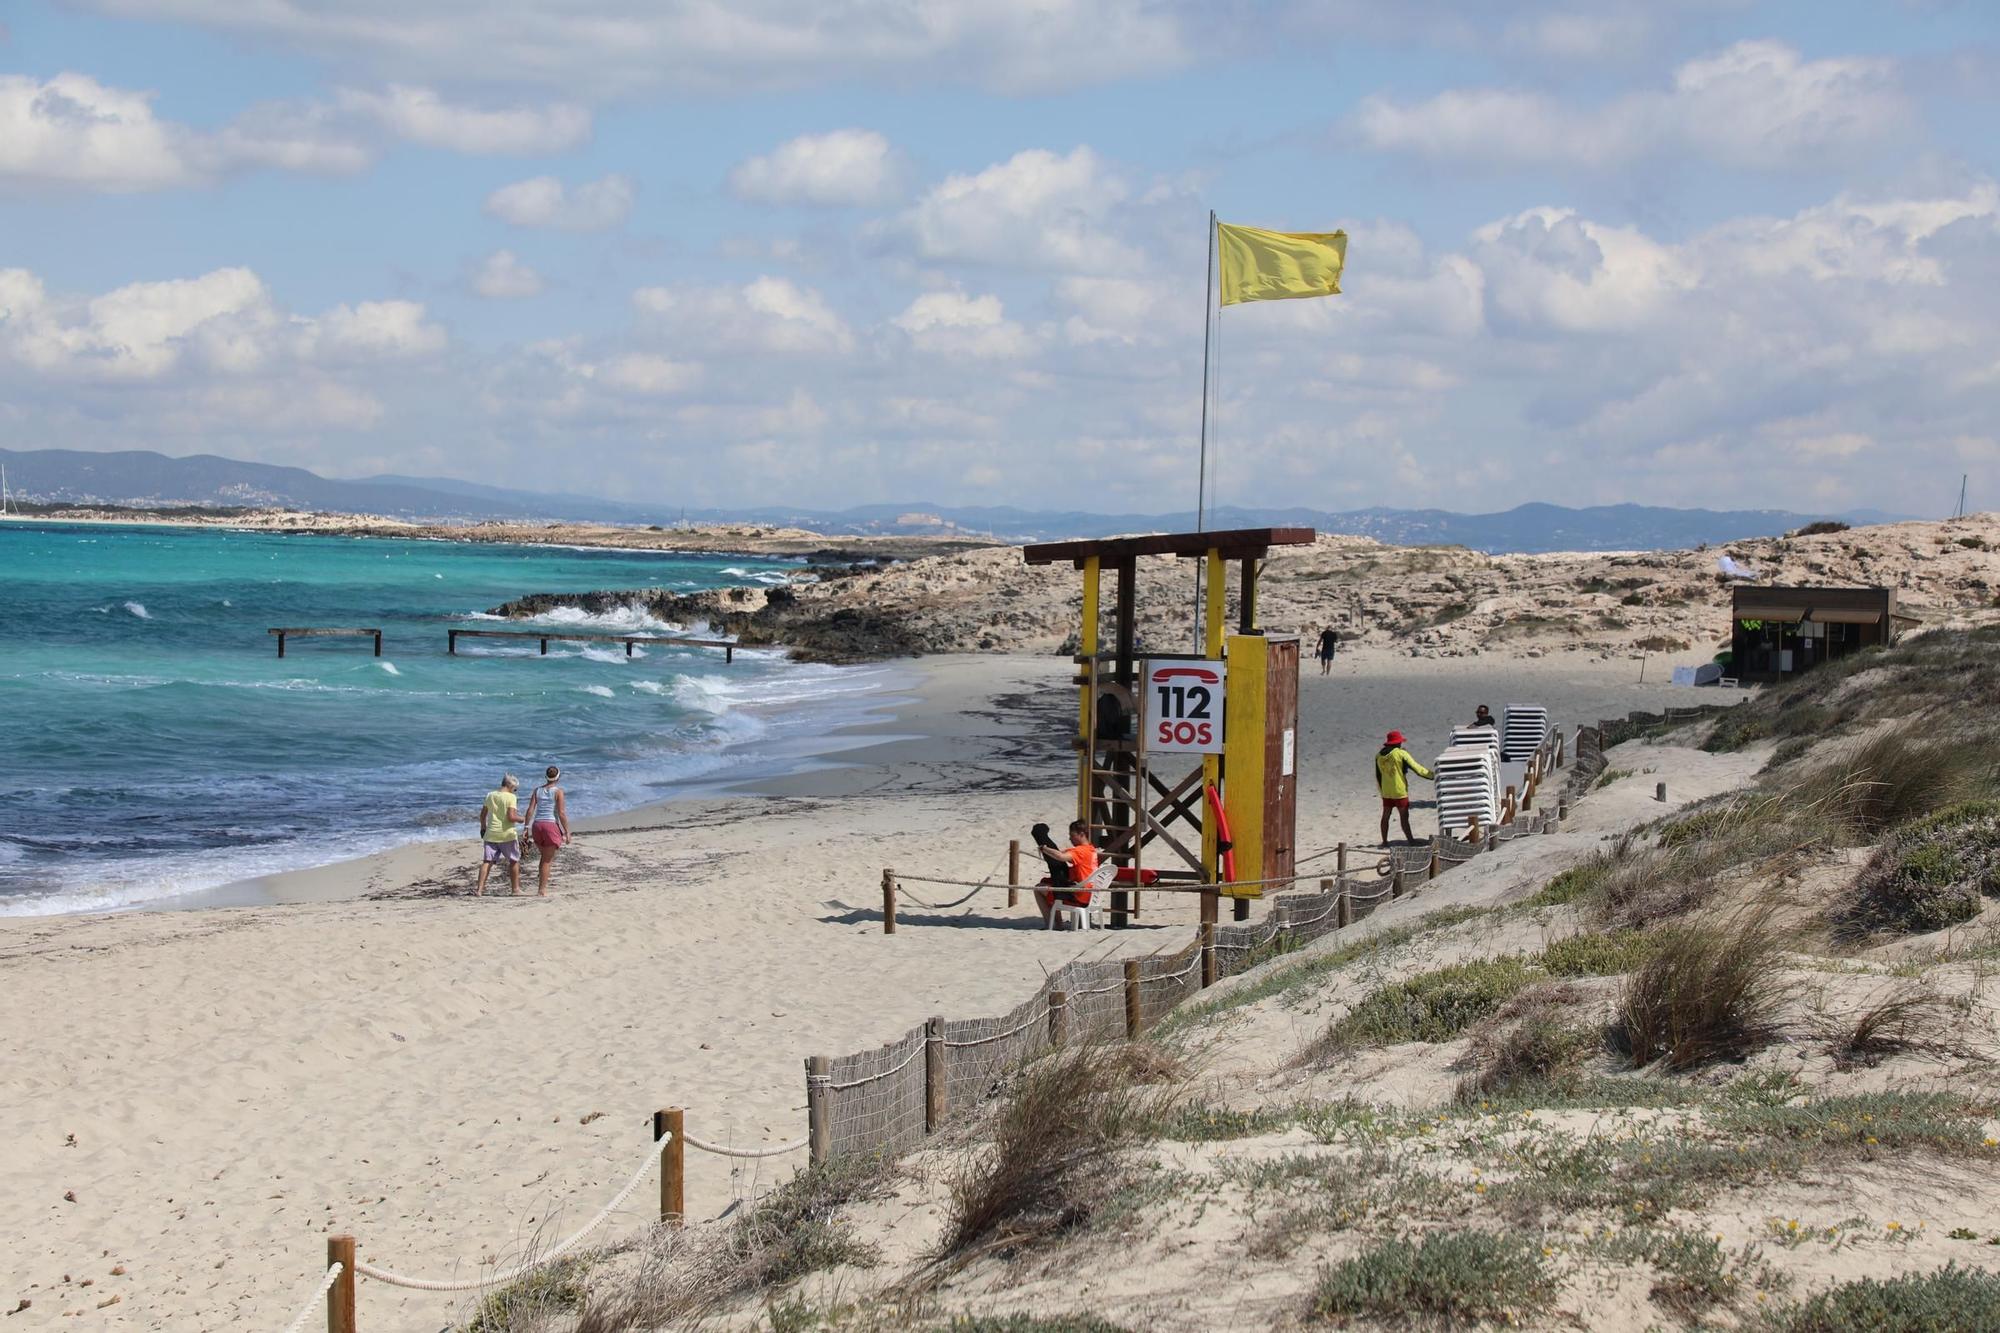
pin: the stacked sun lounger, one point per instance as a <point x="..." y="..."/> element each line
<point x="1468" y="786"/>
<point x="1487" y="736"/>
<point x="1524" y="728"/>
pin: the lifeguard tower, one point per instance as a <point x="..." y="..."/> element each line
<point x="1172" y="748"/>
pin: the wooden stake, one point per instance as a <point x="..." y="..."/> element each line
<point x="1343" y="909"/>
<point x="1133" y="1018"/>
<point x="888" y="902"/>
<point x="673" y="1164"/>
<point x="1014" y="872"/>
<point x="1058" y="1018"/>
<point x="1396" y="884"/>
<point x="934" y="1077"/>
<point x="1207" y="954"/>
<point x="1431" y="870"/>
<point x="819" y="1121"/>
<point x="340" y="1296"/>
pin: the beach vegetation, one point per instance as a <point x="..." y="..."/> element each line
<point x="1946" y="1300"/>
<point x="1448" y="1276"/>
<point x="1028" y="1323"/>
<point x="1431" y="1006"/>
<point x="1819" y="528"/>
<point x="1533" y="1041"/>
<point x="1904" y="1017"/>
<point x="1606" y="953"/>
<point x="531" y="1299"/>
<point x="1935" y="872"/>
<point x="1708" y="991"/>
<point x="1609" y="776"/>
<point x="1050" y="1160"/>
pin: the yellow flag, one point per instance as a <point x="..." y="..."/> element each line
<point x="1260" y="265"/>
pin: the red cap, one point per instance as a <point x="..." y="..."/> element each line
<point x="1395" y="738"/>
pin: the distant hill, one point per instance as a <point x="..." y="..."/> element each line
<point x="146" y="479"/>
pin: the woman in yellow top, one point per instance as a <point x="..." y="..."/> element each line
<point x="1391" y="761"/>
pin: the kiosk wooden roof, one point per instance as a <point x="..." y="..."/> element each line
<point x="1229" y="543"/>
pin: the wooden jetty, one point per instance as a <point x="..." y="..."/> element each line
<point x="667" y="640"/>
<point x="322" y="632"/>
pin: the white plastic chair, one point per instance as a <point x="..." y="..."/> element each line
<point x="1077" y="916"/>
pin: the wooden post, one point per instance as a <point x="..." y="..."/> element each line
<point x="1562" y="808"/>
<point x="1207" y="953"/>
<point x="545" y="647"/>
<point x="1133" y="1018"/>
<point x="340" y="1296"/>
<point x="1241" y="910"/>
<point x="628" y="647"/>
<point x="728" y="653"/>
<point x="451" y="643"/>
<point x="673" y="1164"/>
<point x="934" y="1079"/>
<point x="1013" y="872"/>
<point x="1396" y="883"/>
<point x="1660" y="792"/>
<point x="888" y="902"/>
<point x="1340" y="864"/>
<point x="1058" y="1018"/>
<point x="1343" y="908"/>
<point x="281" y="644"/>
<point x="819" y="1121"/>
<point x="1431" y="870"/>
<point x="378" y="643"/>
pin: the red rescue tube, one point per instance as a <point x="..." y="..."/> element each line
<point x="1223" y="846"/>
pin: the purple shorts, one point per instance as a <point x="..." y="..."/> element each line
<point x="500" y="851"/>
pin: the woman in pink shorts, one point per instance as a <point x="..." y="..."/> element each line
<point x="548" y="823"/>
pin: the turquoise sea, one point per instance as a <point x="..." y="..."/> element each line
<point x="156" y="746"/>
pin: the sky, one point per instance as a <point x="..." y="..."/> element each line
<point x="1717" y="253"/>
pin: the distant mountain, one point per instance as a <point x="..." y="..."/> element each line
<point x="146" y="479"/>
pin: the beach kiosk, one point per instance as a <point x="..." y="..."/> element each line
<point x="1187" y="763"/>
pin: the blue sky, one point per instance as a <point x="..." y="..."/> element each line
<point x="1703" y="252"/>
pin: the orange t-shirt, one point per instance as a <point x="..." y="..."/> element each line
<point x="1082" y="865"/>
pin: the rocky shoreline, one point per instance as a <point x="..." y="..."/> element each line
<point x="1415" y="601"/>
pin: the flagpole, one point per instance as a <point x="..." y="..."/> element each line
<point x="1201" y="482"/>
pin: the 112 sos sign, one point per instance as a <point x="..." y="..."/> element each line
<point x="1184" y="707"/>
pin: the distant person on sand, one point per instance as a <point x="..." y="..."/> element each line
<point x="1484" y="718"/>
<point x="1329" y="644"/>
<point x="548" y="823"/>
<point x="1391" y="763"/>
<point x="1067" y="865"/>
<point x="500" y="834"/>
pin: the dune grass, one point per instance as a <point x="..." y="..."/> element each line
<point x="1708" y="991"/>
<point x="1447" y="1277"/>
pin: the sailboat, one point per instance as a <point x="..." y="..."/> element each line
<point x="3" y="491"/>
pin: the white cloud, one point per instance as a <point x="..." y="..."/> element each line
<point x="617" y="47"/>
<point x="381" y="328"/>
<point x="503" y="276"/>
<point x="844" y="167"/>
<point x="950" y="323"/>
<point x="1551" y="267"/>
<point x="544" y="201"/>
<point x="72" y="130"/>
<point x="1035" y="210"/>
<point x="223" y="322"/>
<point x="421" y="116"/>
<point x="765" y="315"/>
<point x="651" y="375"/>
<point x="1757" y="105"/>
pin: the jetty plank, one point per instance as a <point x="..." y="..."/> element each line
<point x="326" y="632"/>
<point x="728" y="646"/>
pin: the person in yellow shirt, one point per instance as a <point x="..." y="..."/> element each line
<point x="1392" y="761"/>
<point x="500" y="833"/>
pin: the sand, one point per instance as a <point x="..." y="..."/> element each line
<point x="451" y="1079"/>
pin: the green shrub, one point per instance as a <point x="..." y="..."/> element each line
<point x="1431" y="1006"/>
<point x="1896" y="778"/>
<point x="1973" y="543"/>
<point x="1024" y="1323"/>
<point x="1820" y="527"/>
<point x="1599" y="954"/>
<point x="1932" y="874"/>
<point x="1944" y="1123"/>
<point x="1572" y="884"/>
<point x="529" y="1299"/>
<point x="1449" y="1276"/>
<point x="1707" y="992"/>
<point x="1609" y="776"/>
<point x="1530" y="1043"/>
<point x="1949" y="1300"/>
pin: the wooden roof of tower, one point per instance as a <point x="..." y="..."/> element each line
<point x="1231" y="544"/>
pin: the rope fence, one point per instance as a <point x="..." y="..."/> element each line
<point x="333" y="1272"/>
